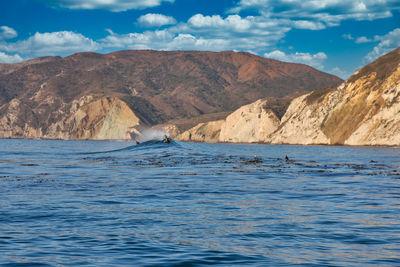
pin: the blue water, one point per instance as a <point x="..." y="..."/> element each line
<point x="87" y="203"/>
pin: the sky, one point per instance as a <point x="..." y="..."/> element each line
<point x="334" y="36"/>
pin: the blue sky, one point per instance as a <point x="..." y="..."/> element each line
<point x="334" y="36"/>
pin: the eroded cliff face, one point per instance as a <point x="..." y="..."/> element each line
<point x="86" y="118"/>
<point x="250" y="123"/>
<point x="203" y="132"/>
<point x="381" y="124"/>
<point x="364" y="110"/>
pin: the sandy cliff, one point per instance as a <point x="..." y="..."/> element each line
<point x="364" y="110"/>
<point x="250" y="123"/>
<point x="86" y="118"/>
<point x="203" y="132"/>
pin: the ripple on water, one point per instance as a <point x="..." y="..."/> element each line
<point x="197" y="204"/>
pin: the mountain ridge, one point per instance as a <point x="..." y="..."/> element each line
<point x="157" y="86"/>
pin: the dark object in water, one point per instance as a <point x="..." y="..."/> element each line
<point x="286" y="158"/>
<point x="166" y="140"/>
<point x="137" y="142"/>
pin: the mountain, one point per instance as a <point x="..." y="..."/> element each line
<point x="364" y="110"/>
<point x="95" y="96"/>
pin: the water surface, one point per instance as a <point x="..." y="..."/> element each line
<point x="87" y="203"/>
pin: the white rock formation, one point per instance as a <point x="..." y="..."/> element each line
<point x="250" y="123"/>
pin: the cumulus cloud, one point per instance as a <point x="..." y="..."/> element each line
<point x="363" y="39"/>
<point x="113" y="5"/>
<point x="202" y="32"/>
<point x="50" y="44"/>
<point x="233" y="22"/>
<point x="314" y="60"/>
<point x="320" y="13"/>
<point x="7" y="33"/>
<point x="4" y="58"/>
<point x="308" y="25"/>
<point x="245" y="32"/>
<point x="162" y="40"/>
<point x="386" y="44"/>
<point x="155" y="20"/>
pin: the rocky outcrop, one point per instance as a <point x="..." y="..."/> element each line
<point x="250" y="123"/>
<point x="86" y="118"/>
<point x="106" y="118"/>
<point x="300" y="122"/>
<point x="364" y="110"/>
<point x="203" y="132"/>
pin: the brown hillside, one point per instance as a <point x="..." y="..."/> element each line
<point x="158" y="86"/>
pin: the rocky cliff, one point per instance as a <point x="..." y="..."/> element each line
<point x="203" y="132"/>
<point x="86" y="118"/>
<point x="364" y="110"/>
<point x="39" y="97"/>
<point x="248" y="124"/>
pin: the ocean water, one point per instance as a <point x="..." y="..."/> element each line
<point x="87" y="203"/>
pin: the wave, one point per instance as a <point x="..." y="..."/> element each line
<point x="150" y="144"/>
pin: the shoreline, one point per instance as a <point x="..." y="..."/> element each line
<point x="231" y="143"/>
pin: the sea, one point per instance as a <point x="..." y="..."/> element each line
<point x="115" y="203"/>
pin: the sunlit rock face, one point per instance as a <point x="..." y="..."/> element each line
<point x="203" y="132"/>
<point x="364" y="110"/>
<point x="250" y="123"/>
<point x="86" y="118"/>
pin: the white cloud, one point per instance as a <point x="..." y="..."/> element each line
<point x="319" y="13"/>
<point x="4" y="58"/>
<point x="162" y="40"/>
<point x="50" y="44"/>
<point x="348" y="36"/>
<point x="387" y="43"/>
<point x="201" y="32"/>
<point x="314" y="60"/>
<point x="7" y="33"/>
<point x="245" y="32"/>
<point x="309" y="25"/>
<point x="233" y="22"/>
<point x="155" y="20"/>
<point x="363" y="39"/>
<point x="113" y="5"/>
